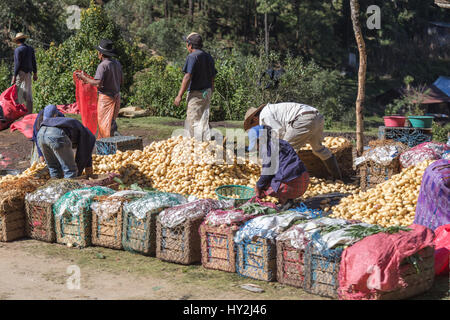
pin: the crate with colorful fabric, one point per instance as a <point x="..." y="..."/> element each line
<point x="139" y="220"/>
<point x="73" y="216"/>
<point x="40" y="222"/>
<point x="107" y="218"/>
<point x="380" y="162"/>
<point x="291" y="248"/>
<point x="218" y="230"/>
<point x="178" y="237"/>
<point x="12" y="207"/>
<point x="255" y="244"/>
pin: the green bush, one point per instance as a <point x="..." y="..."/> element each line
<point x="156" y="87"/>
<point x="5" y="76"/>
<point x="440" y="132"/>
<point x="237" y="86"/>
<point x="57" y="64"/>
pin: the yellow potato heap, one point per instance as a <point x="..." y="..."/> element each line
<point x="179" y="165"/>
<point x="331" y="143"/>
<point x="319" y="186"/>
<point x="390" y="203"/>
<point x="37" y="170"/>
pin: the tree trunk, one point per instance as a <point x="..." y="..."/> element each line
<point x="191" y="11"/>
<point x="266" y="31"/>
<point x="354" y="6"/>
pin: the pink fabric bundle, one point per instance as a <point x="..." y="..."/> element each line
<point x="373" y="264"/>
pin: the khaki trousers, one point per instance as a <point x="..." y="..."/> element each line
<point x="24" y="93"/>
<point x="197" y="115"/>
<point x="308" y="129"/>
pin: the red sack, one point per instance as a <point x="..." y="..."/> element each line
<point x="86" y="96"/>
<point x="25" y="125"/>
<point x="11" y="110"/>
<point x="69" y="108"/>
<point x="442" y="247"/>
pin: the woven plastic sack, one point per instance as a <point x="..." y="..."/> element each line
<point x="53" y="190"/>
<point x="76" y="202"/>
<point x="153" y="202"/>
<point x="110" y="205"/>
<point x="422" y="152"/>
<point x="10" y="109"/>
<point x="86" y="96"/>
<point x="433" y="204"/>
<point x="25" y="125"/>
<point x="177" y="215"/>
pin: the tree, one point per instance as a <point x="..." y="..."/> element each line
<point x="354" y="6"/>
<point x="266" y="7"/>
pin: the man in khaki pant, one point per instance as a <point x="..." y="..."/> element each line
<point x="297" y="124"/>
<point x="199" y="81"/>
<point x="24" y="65"/>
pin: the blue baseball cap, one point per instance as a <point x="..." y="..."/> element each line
<point x="253" y="135"/>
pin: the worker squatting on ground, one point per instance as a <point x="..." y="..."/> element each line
<point x="56" y="136"/>
<point x="297" y="124"/>
<point x="108" y="79"/>
<point x="199" y="76"/>
<point x="24" y="65"/>
<point x="283" y="174"/>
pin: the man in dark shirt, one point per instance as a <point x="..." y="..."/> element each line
<point x="199" y="77"/>
<point x="108" y="80"/>
<point x="24" y="65"/>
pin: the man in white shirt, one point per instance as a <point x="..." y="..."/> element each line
<point x="298" y="124"/>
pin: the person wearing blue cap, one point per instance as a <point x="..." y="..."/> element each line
<point x="283" y="176"/>
<point x="55" y="137"/>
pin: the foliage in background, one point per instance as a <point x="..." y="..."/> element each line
<point x="440" y="132"/>
<point x="5" y="75"/>
<point x="57" y="64"/>
<point x="238" y="87"/>
<point x="410" y="102"/>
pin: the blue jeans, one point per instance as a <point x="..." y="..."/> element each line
<point x="57" y="150"/>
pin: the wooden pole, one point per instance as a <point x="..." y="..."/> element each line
<point x="354" y="6"/>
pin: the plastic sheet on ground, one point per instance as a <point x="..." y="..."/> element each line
<point x="375" y="261"/>
<point x="110" y="205"/>
<point x="53" y="190"/>
<point x="175" y="216"/>
<point x="268" y="226"/>
<point x="422" y="152"/>
<point x="153" y="202"/>
<point x="382" y="155"/>
<point x="76" y="202"/>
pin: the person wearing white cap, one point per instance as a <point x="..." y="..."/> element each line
<point x="24" y="65"/>
<point x="198" y="80"/>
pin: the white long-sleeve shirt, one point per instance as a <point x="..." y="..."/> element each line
<point x="277" y="116"/>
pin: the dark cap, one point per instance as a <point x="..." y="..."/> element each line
<point x="107" y="48"/>
<point x="194" y="38"/>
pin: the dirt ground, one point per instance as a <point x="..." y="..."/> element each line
<point x="36" y="270"/>
<point x="31" y="269"/>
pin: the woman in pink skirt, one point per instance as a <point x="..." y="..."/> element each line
<point x="283" y="175"/>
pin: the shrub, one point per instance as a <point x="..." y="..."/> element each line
<point x="5" y="75"/>
<point x="238" y="87"/>
<point x="57" y="64"/>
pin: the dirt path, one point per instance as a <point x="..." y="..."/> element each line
<point x="35" y="270"/>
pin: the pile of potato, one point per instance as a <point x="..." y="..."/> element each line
<point x="390" y="203"/>
<point x="180" y="165"/>
<point x="319" y="186"/>
<point x="37" y="170"/>
<point x="331" y="143"/>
